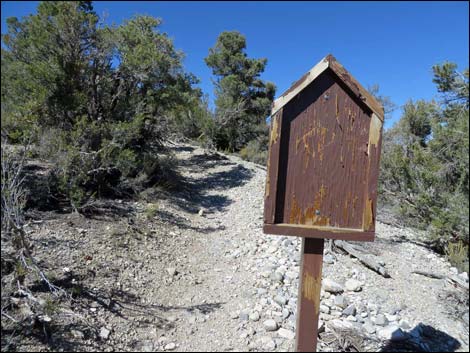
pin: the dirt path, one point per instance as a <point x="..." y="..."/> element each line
<point x="197" y="274"/>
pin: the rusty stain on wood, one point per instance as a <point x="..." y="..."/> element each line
<point x="322" y="151"/>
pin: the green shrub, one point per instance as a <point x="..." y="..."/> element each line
<point x="425" y="163"/>
<point x="457" y="253"/>
<point x="151" y="210"/>
<point x="255" y="152"/>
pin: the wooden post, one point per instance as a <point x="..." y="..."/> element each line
<point x="308" y="302"/>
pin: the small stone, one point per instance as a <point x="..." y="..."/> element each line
<point x="77" y="334"/>
<point x="332" y="286"/>
<point x="171" y="271"/>
<point x="324" y="309"/>
<point x="170" y="346"/>
<point x="44" y="318"/>
<point x="353" y="285"/>
<point x="280" y="300"/>
<point x="201" y="212"/>
<point x="454" y="270"/>
<point x="270" y="325"/>
<point x="350" y="310"/>
<point x="234" y="315"/>
<point x="292" y="275"/>
<point x="288" y="334"/>
<point x="254" y="316"/>
<point x="404" y="325"/>
<point x="464" y="276"/>
<point x="392" y="333"/>
<point x="277" y="277"/>
<point x="329" y="259"/>
<point x="285" y="313"/>
<point x="369" y="327"/>
<point x="267" y="343"/>
<point x="104" y="333"/>
<point x="340" y="301"/>
<point x="244" y="315"/>
<point x="244" y="335"/>
<point x="351" y="318"/>
<point x="171" y="318"/>
<point x="381" y="320"/>
<point x="146" y="346"/>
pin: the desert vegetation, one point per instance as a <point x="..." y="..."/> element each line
<point x="96" y="107"/>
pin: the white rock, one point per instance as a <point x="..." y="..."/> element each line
<point x="254" y="316"/>
<point x="267" y="343"/>
<point x="392" y="333"/>
<point x="170" y="346"/>
<point x="353" y="285"/>
<point x="288" y="334"/>
<point x="104" y="333"/>
<point x="404" y="325"/>
<point x="171" y="271"/>
<point x="369" y="327"/>
<point x="270" y="325"/>
<point x="332" y="286"/>
<point x="464" y="276"/>
<point x="381" y="320"/>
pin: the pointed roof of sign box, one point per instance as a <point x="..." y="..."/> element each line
<point x="330" y="62"/>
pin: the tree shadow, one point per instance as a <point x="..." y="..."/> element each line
<point x="119" y="303"/>
<point x="423" y="338"/>
<point x="182" y="223"/>
<point x="194" y="193"/>
<point x="183" y="148"/>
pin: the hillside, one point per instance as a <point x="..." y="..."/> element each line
<point x="191" y="270"/>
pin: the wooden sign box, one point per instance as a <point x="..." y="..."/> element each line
<point x="324" y="154"/>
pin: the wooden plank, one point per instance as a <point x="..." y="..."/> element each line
<point x="329" y="62"/>
<point x="305" y="231"/>
<point x="308" y="303"/>
<point x="299" y="85"/>
<point x="272" y="169"/>
<point x="325" y="163"/>
<point x="355" y="86"/>
<point x="373" y="168"/>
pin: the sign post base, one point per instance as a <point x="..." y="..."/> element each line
<point x="308" y="302"/>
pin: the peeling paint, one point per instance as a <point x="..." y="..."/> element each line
<point x="374" y="131"/>
<point x="311" y="287"/>
<point x="368" y="215"/>
<point x="274" y="130"/>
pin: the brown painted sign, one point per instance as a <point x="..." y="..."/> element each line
<point x="324" y="154"/>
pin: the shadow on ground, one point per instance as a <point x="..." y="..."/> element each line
<point x="194" y="193"/>
<point x="60" y="335"/>
<point x="423" y="338"/>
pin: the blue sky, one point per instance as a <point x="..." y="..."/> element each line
<point x="393" y="44"/>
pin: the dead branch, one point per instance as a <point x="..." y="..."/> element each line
<point x="368" y="261"/>
<point x="429" y="274"/>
